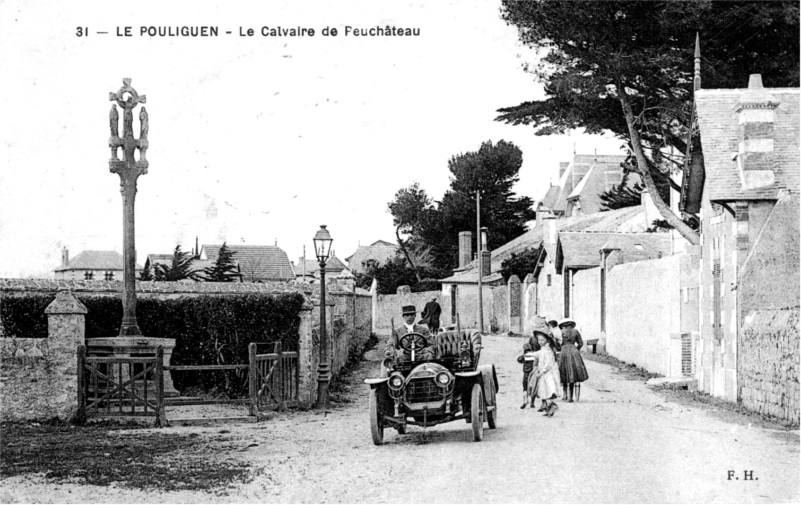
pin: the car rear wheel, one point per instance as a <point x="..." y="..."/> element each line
<point x="477" y="413"/>
<point x="376" y="426"/>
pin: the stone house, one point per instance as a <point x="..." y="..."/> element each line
<point x="91" y="265"/>
<point x="749" y="215"/>
<point x="374" y="255"/>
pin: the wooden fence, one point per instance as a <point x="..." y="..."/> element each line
<point x="122" y="386"/>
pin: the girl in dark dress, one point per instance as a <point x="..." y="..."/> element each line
<point x="571" y="365"/>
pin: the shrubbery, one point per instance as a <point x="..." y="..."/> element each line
<point x="207" y="329"/>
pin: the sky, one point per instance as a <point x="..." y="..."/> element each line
<point x="253" y="139"/>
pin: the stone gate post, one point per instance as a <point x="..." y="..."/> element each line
<point x="66" y="329"/>
<point x="515" y="325"/>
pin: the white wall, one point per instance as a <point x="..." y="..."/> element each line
<point x="643" y="313"/>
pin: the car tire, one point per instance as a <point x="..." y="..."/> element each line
<point x="492" y="417"/>
<point x="376" y="426"/>
<point x="477" y="413"/>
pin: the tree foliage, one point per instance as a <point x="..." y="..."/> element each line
<point x="180" y="267"/>
<point x="520" y="264"/>
<point x="147" y="273"/>
<point x="431" y="229"/>
<point x="224" y="268"/>
<point x="627" y="67"/>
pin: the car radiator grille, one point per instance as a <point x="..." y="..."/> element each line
<point x="423" y="390"/>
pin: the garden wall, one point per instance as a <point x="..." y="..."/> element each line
<point x="351" y="310"/>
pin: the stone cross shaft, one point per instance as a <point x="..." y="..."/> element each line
<point x="129" y="169"/>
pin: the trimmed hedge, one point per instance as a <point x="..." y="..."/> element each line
<point x="208" y="330"/>
<point x="23" y="316"/>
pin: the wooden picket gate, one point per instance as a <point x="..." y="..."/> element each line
<point x="121" y="386"/>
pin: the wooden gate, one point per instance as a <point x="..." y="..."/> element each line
<point x="121" y="386"/>
<point x="274" y="379"/>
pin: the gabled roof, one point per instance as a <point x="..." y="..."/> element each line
<point x="95" y="260"/>
<point x="576" y="172"/>
<point x="262" y="262"/>
<point x="600" y="178"/>
<point x="719" y="125"/>
<point x="583" y="250"/>
<point x="381" y="243"/>
<point x="159" y="258"/>
<point x="333" y="265"/>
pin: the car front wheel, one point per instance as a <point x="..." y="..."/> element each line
<point x="376" y="426"/>
<point x="477" y="413"/>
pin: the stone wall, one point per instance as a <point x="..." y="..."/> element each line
<point x="38" y="377"/>
<point x="768" y="363"/>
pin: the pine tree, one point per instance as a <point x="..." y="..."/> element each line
<point x="180" y="267"/>
<point x="224" y="268"/>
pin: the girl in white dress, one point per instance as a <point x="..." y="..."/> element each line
<point x="547" y="372"/>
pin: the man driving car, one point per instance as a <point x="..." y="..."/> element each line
<point x="402" y="355"/>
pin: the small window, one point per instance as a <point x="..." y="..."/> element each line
<point x="548" y="279"/>
<point x="88" y="276"/>
<point x="717" y="209"/>
<point x="109" y="276"/>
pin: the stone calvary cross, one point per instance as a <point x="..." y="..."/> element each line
<point x="130" y="341"/>
<point x="129" y="169"/>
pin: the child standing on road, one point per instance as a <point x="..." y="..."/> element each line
<point x="547" y="372"/>
<point x="528" y="359"/>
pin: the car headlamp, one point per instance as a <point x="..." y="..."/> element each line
<point x="396" y="381"/>
<point x="443" y="379"/>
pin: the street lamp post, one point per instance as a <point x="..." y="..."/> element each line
<point x="322" y="248"/>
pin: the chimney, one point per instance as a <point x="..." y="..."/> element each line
<point x="465" y="248"/>
<point x="756" y="110"/>
<point x="549" y="230"/>
<point x="65" y="257"/>
<point x="486" y="255"/>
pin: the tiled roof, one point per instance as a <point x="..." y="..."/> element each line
<point x="262" y="262"/>
<point x="719" y="127"/>
<point x="549" y="200"/>
<point x="582" y="250"/>
<point x="628" y="219"/>
<point x="382" y="243"/>
<point x="159" y="258"/>
<point x="95" y="260"/>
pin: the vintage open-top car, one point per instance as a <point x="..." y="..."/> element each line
<point x="428" y="392"/>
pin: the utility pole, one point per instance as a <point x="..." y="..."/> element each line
<point x="480" y="265"/>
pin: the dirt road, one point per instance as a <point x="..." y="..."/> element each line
<point x="621" y="443"/>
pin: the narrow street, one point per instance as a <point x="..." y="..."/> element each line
<point x="621" y="443"/>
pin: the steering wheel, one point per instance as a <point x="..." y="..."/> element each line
<point x="413" y="342"/>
